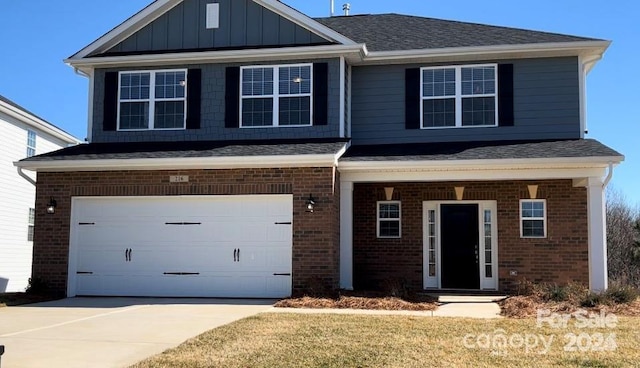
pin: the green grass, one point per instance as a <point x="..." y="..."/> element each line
<point x="296" y="340"/>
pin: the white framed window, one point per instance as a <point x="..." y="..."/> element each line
<point x="32" y="222"/>
<point x="459" y="96"/>
<point x="152" y="100"/>
<point x="273" y="96"/>
<point x="533" y="218"/>
<point x="31" y="143"/>
<point x="389" y="219"/>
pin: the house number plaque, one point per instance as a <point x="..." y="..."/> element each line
<point x="179" y="179"/>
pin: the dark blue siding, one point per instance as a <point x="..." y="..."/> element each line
<point x="213" y="113"/>
<point x="546" y="105"/>
<point x="242" y="23"/>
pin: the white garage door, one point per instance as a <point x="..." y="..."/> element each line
<point x="215" y="246"/>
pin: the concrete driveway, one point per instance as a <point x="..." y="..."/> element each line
<point x="109" y="332"/>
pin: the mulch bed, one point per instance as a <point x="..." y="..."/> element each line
<point x="13" y="299"/>
<point x="372" y="302"/>
<point x="528" y="306"/>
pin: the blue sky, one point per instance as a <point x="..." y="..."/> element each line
<point x="36" y="35"/>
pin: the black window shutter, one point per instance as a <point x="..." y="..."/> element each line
<point x="110" y="108"/>
<point x="232" y="97"/>
<point x="505" y="95"/>
<point x="320" y="93"/>
<point x="412" y="98"/>
<point x="194" y="97"/>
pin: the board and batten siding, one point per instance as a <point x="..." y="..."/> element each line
<point x="546" y="105"/>
<point x="212" y="111"/>
<point x="18" y="196"/>
<point x="242" y="23"/>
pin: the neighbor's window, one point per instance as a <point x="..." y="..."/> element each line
<point x="32" y="221"/>
<point x="533" y="218"/>
<point x="31" y="143"/>
<point x="274" y="96"/>
<point x="389" y="222"/>
<point x="459" y="96"/>
<point x="152" y="100"/>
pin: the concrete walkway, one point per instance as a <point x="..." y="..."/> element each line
<point x="109" y="332"/>
<point x="484" y="310"/>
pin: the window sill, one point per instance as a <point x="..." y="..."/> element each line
<point x="460" y="127"/>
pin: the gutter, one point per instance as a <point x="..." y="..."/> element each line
<point x="26" y="177"/>
<point x="609" y="176"/>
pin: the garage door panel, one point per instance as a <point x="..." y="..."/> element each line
<point x="183" y="246"/>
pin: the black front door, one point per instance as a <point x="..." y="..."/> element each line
<point x="459" y="244"/>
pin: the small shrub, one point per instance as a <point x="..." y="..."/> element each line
<point x="397" y="288"/>
<point x="557" y="293"/>
<point x="592" y="300"/>
<point x="317" y="287"/>
<point x="621" y="294"/>
<point x="37" y="286"/>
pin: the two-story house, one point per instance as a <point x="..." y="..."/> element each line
<point x="243" y="149"/>
<point x="22" y="134"/>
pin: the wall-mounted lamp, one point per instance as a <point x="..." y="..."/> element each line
<point x="51" y="206"/>
<point x="311" y="203"/>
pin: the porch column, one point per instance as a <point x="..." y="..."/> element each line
<point x="598" y="279"/>
<point x="346" y="235"/>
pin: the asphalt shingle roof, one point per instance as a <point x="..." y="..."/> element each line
<point x="480" y="151"/>
<point x="394" y="32"/>
<point x="196" y="149"/>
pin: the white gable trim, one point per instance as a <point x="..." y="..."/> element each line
<point x="304" y="21"/>
<point x="160" y="7"/>
<point x="128" y="27"/>
<point x="37" y="123"/>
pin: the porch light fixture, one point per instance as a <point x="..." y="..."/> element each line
<point x="311" y="202"/>
<point x="533" y="191"/>
<point x="51" y="206"/>
<point x="459" y="193"/>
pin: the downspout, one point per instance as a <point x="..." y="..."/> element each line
<point x="609" y="176"/>
<point x="26" y="177"/>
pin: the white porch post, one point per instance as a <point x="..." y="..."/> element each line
<point x="598" y="280"/>
<point x="346" y="235"/>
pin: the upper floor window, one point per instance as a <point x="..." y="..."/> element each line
<point x="459" y="96"/>
<point x="274" y="96"/>
<point x="152" y="100"/>
<point x="31" y="143"/>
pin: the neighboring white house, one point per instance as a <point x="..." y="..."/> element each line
<point x="22" y="134"/>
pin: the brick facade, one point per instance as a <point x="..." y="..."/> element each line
<point x="561" y="257"/>
<point x="316" y="235"/>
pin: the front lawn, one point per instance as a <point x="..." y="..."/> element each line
<point x="325" y="340"/>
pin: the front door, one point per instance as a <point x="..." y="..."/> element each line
<point x="459" y="244"/>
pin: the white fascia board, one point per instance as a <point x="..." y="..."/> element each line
<point x="479" y="174"/>
<point x="128" y="27"/>
<point x="545" y="163"/>
<point x="189" y="163"/>
<point x="304" y="21"/>
<point x="491" y="52"/>
<point x="218" y="56"/>
<point x="37" y="123"/>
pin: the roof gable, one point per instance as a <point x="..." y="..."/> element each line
<point x="396" y="32"/>
<point x="25" y="116"/>
<point x="180" y="25"/>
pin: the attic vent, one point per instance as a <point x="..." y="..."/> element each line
<point x="213" y="16"/>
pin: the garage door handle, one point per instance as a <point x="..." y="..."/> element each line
<point x="235" y="255"/>
<point x="127" y="255"/>
<point x="238" y="254"/>
<point x="281" y="274"/>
